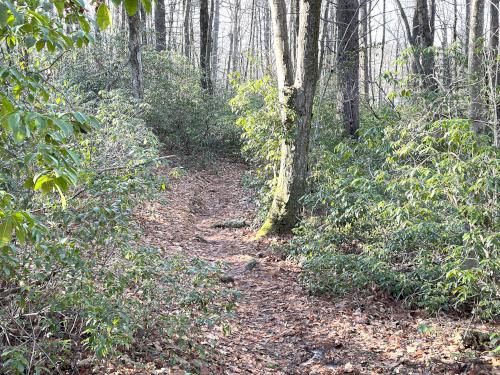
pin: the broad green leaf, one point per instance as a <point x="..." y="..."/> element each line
<point x="44" y="182"/>
<point x="130" y="6"/>
<point x="13" y="122"/>
<point x="21" y="234"/>
<point x="84" y="24"/>
<point x="65" y="127"/>
<point x="103" y="17"/>
<point x="6" y="232"/>
<point x="59" y="4"/>
<point x="63" y="198"/>
<point x="80" y="117"/>
<point x="7" y="106"/>
<point x="4" y="15"/>
<point x="147" y="5"/>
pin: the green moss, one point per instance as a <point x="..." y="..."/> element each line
<point x="265" y="229"/>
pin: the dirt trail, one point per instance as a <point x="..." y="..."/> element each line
<point x="278" y="327"/>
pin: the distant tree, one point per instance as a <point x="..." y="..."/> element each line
<point x="348" y="63"/>
<point x="205" y="46"/>
<point x="186" y="28"/>
<point x="134" y="47"/>
<point x="364" y="32"/>
<point x="421" y="38"/>
<point x="215" y="41"/>
<point x="160" y="29"/>
<point x="475" y="67"/>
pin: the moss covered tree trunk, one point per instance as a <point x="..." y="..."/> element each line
<point x="296" y="100"/>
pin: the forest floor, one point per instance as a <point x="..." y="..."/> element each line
<point x="278" y="328"/>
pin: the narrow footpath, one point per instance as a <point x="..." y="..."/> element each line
<point x="278" y="328"/>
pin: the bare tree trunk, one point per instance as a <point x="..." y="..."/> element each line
<point x="348" y="63"/>
<point x="423" y="29"/>
<point x="124" y="18"/>
<point x="160" y="29"/>
<point x="322" y="37"/>
<point x="116" y="17"/>
<point x="475" y="71"/>
<point x="144" y="35"/>
<point x="171" y="24"/>
<point x="236" y="35"/>
<point x="251" y="39"/>
<point x="447" y="71"/>
<point x="260" y="50"/>
<point x="205" y="46"/>
<point x="267" y="37"/>
<point x="186" y="24"/>
<point x="494" y="50"/>
<point x="467" y="27"/>
<point x="294" y="29"/>
<point x="382" y="51"/>
<point x="215" y="41"/>
<point x="363" y="15"/>
<point x="134" y="47"/>
<point x="192" y="52"/>
<point x="455" y="37"/>
<point x="296" y="111"/>
<point x="229" y="55"/>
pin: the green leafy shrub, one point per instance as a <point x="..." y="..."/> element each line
<point x="412" y="209"/>
<point x="181" y="113"/>
<point x="74" y="278"/>
<point x="257" y="106"/>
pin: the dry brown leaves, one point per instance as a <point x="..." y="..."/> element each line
<point x="278" y="327"/>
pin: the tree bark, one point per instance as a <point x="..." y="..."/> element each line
<point x="236" y="36"/>
<point x="134" y="47"/>
<point x="160" y="27"/>
<point x="382" y="51"/>
<point x="215" y="41"/>
<point x="475" y="68"/>
<point x="322" y="37"/>
<point x="447" y="70"/>
<point x="423" y="35"/>
<point x="467" y="27"/>
<point x="171" y="24"/>
<point x="348" y="63"/>
<point x="144" y="35"/>
<point x="296" y="111"/>
<point x="363" y="15"/>
<point x="494" y="49"/>
<point x="186" y="24"/>
<point x="205" y="45"/>
<point x="251" y="49"/>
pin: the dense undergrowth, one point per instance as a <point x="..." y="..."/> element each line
<point x="78" y="157"/>
<point x="411" y="207"/>
<point x="183" y="116"/>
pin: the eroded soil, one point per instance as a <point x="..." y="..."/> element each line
<point x="278" y="327"/>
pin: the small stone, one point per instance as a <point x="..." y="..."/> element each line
<point x="233" y="224"/>
<point x="251" y="265"/>
<point x="226" y="278"/>
<point x="86" y="362"/>
<point x="348" y="367"/>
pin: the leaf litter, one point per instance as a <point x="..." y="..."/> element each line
<point x="278" y="327"/>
